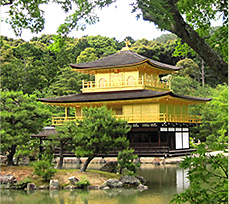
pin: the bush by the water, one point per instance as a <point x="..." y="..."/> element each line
<point x="126" y="160"/>
<point x="44" y="168"/>
<point x="22" y="184"/>
<point x="83" y="184"/>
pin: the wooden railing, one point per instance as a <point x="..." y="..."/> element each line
<point x="141" y="118"/>
<point x="154" y="84"/>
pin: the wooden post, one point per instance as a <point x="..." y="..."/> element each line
<point x="159" y="137"/>
<point x="142" y="80"/>
<point x="66" y="113"/>
<point x="83" y="84"/>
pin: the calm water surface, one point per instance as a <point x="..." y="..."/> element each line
<point x="163" y="181"/>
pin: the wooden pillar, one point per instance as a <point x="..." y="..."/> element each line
<point x="75" y="112"/>
<point x="83" y="84"/>
<point x="159" y="137"/>
<point x="66" y="112"/>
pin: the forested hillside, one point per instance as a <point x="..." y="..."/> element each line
<point x="33" y="68"/>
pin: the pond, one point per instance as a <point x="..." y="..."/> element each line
<point x="163" y="181"/>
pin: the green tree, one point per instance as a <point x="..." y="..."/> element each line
<point x="26" y="66"/>
<point x="64" y="139"/>
<point x="126" y="160"/>
<point x="67" y="82"/>
<point x="166" y="37"/>
<point x="21" y="116"/>
<point x="45" y="167"/>
<point x="189" y="20"/>
<point x="151" y="49"/>
<point x="99" y="132"/>
<point x="89" y="54"/>
<point x="214" y="117"/>
<point x="189" y="68"/>
<point x="184" y="85"/>
<point x="208" y="176"/>
<point x="103" y="46"/>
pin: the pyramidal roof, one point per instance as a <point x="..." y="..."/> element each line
<point x="123" y="59"/>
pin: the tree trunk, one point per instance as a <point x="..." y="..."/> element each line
<point x="120" y="170"/>
<point x="17" y="160"/>
<point x="192" y="38"/>
<point x="10" y="155"/>
<point x="83" y="169"/>
<point x="61" y="161"/>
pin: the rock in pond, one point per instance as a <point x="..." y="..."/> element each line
<point x="7" y="179"/>
<point x="73" y="180"/>
<point x="113" y="183"/>
<point x="54" y="184"/>
<point x="141" y="179"/>
<point x="130" y="180"/>
<point x="106" y="188"/>
<point x="110" y="167"/>
<point x="142" y="187"/>
<point x="69" y="187"/>
<point x="31" y="186"/>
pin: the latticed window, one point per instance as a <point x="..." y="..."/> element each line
<point x="102" y="82"/>
<point x="130" y="80"/>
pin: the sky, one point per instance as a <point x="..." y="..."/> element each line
<point x="115" y="21"/>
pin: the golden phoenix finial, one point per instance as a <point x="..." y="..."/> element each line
<point x="128" y="43"/>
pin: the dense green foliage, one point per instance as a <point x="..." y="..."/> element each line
<point x="21" y="185"/>
<point x="63" y="140"/>
<point x="32" y="68"/>
<point x="99" y="132"/>
<point x="190" y="21"/>
<point x="214" y="115"/>
<point x="214" y="127"/>
<point x="208" y="176"/>
<point x="44" y="168"/>
<point x="83" y="184"/>
<point x="21" y="116"/>
<point x="126" y="161"/>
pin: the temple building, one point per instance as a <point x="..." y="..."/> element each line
<point x="131" y="85"/>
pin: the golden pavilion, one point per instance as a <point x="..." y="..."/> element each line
<point x="130" y="85"/>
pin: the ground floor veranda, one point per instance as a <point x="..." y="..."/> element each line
<point x="153" y="139"/>
<point x="159" y="139"/>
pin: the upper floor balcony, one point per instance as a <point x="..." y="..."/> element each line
<point x="141" y="118"/>
<point x="120" y="85"/>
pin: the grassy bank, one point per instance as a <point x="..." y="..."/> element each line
<point x="93" y="176"/>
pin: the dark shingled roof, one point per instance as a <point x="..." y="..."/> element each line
<point x="122" y="59"/>
<point x="46" y="132"/>
<point x="116" y="95"/>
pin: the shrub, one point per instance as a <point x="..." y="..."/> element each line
<point x="126" y="160"/>
<point x="83" y="184"/>
<point x="44" y="168"/>
<point x="22" y="184"/>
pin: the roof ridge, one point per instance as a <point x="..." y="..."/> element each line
<point x="134" y="53"/>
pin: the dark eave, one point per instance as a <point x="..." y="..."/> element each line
<point x="116" y="96"/>
<point x="122" y="59"/>
<point x="47" y="131"/>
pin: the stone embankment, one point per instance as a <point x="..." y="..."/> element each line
<point x="143" y="160"/>
<point x="137" y="182"/>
